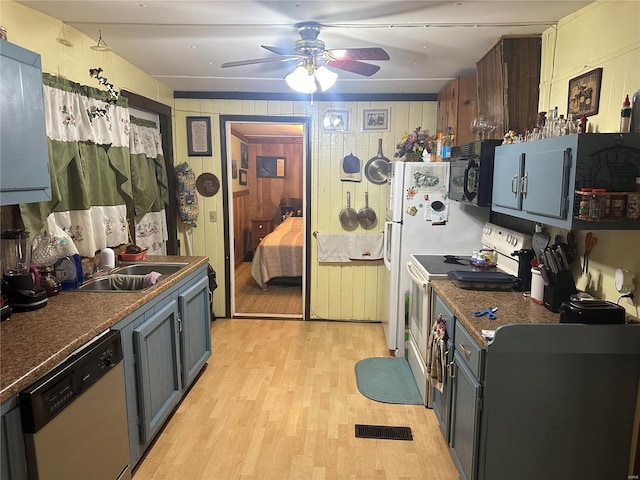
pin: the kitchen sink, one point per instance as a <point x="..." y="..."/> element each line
<point x="103" y="283"/>
<point x="162" y="268"/>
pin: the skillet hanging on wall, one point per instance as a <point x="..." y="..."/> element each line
<point x="377" y="168"/>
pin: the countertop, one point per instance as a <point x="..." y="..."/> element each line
<point x="513" y="307"/>
<point x="32" y="343"/>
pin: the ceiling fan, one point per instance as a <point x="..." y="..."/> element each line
<point x="310" y="52"/>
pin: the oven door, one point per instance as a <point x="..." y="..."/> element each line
<point x="420" y="308"/>
<point x="419" y="329"/>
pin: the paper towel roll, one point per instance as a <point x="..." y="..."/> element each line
<point x="107" y="259"/>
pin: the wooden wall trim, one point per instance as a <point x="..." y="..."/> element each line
<point x="241" y="193"/>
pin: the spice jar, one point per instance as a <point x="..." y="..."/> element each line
<point x="618" y="206"/>
<point x="633" y="206"/>
<point x="584" y="198"/>
<point x="599" y="204"/>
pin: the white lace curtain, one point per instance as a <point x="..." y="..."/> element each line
<point x="90" y="168"/>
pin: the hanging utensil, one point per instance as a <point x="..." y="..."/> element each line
<point x="366" y="215"/>
<point x="589" y="242"/>
<point x="348" y="216"/>
<point x="377" y="168"/>
<point x="539" y="242"/>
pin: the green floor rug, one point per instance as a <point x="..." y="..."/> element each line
<point x="387" y="380"/>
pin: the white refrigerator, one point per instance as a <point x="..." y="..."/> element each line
<point x="421" y="219"/>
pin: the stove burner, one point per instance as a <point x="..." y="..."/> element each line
<point x="453" y="259"/>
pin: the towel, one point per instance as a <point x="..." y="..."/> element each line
<point x="436" y="356"/>
<point x="333" y="247"/>
<point x="125" y="282"/>
<point x="368" y="246"/>
<point x="151" y="279"/>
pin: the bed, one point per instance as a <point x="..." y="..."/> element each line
<point x="279" y="254"/>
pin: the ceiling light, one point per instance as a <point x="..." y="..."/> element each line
<point x="307" y="76"/>
<point x="101" y="46"/>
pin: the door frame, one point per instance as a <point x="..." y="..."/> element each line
<point x="305" y="121"/>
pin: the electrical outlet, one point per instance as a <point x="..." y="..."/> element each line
<point x="213" y="216"/>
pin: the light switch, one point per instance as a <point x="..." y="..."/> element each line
<point x="213" y="216"/>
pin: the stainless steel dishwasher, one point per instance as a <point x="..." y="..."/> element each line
<point x="74" y="417"/>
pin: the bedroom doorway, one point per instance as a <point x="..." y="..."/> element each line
<point x="266" y="203"/>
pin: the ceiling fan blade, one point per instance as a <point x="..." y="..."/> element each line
<point x="281" y="51"/>
<point x="371" y="53"/>
<point x="254" y="61"/>
<point x="354" y="66"/>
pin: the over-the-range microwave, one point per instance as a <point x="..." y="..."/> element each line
<point x="471" y="175"/>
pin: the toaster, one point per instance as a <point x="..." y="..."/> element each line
<point x="591" y="311"/>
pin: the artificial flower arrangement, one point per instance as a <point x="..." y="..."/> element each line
<point x="415" y="142"/>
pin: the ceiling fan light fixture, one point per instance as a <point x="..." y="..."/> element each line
<point x="325" y="77"/>
<point x="301" y="80"/>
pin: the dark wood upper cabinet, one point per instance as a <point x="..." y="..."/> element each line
<point x="509" y="84"/>
<point x="457" y="105"/>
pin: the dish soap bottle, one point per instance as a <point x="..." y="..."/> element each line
<point x="69" y="268"/>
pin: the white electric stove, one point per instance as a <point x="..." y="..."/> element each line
<point x="424" y="268"/>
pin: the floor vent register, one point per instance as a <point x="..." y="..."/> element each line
<point x="383" y="432"/>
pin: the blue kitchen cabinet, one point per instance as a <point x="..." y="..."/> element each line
<point x="465" y="404"/>
<point x="24" y="159"/>
<point x="195" y="335"/>
<point x="537" y="180"/>
<point x="166" y="343"/>
<point x="158" y="369"/>
<point x="13" y="460"/>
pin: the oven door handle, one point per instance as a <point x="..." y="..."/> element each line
<point x="415" y="276"/>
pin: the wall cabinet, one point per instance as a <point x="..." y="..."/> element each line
<point x="165" y="345"/>
<point x="537" y="180"/>
<point x="457" y="106"/>
<point x="260" y="228"/>
<point x="508" y="84"/>
<point x="22" y="130"/>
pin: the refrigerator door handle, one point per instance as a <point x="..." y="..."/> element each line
<point x="386" y="245"/>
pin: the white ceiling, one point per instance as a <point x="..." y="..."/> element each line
<point x="182" y="43"/>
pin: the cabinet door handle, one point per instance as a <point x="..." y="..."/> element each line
<point x="450" y="370"/>
<point x="514" y="185"/>
<point x="523" y="185"/>
<point x="466" y="351"/>
<point x="179" y="324"/>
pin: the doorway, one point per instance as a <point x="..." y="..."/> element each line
<point x="266" y="180"/>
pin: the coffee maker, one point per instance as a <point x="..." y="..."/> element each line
<point x="20" y="280"/>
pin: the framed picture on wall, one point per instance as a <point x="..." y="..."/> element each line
<point x="270" y="167"/>
<point x="244" y="156"/>
<point x="336" y="120"/>
<point x="375" y="120"/>
<point x="234" y="168"/>
<point x="584" y="94"/>
<point x="199" y="136"/>
<point x="242" y="180"/>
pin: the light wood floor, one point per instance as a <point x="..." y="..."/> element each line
<point x="276" y="300"/>
<point x="279" y="400"/>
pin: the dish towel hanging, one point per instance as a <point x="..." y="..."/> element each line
<point x="436" y="360"/>
<point x="367" y="247"/>
<point x="333" y="247"/>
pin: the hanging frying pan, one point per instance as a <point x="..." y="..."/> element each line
<point x="366" y="215"/>
<point x="348" y="216"/>
<point x="377" y="168"/>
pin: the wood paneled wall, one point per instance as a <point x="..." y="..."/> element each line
<point x="266" y="193"/>
<point x="241" y="223"/>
